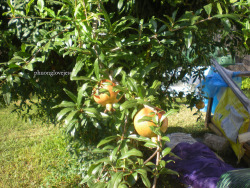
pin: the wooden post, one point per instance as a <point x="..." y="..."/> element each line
<point x="208" y="114"/>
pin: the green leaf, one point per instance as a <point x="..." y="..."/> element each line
<point x="76" y="69"/>
<point x="162" y="28"/>
<point x="168" y="113"/>
<point x="128" y="104"/>
<point x="143" y="174"/>
<point x="117" y="71"/>
<point x="113" y="155"/>
<point x="168" y="171"/>
<point x="96" y="69"/>
<point x="188" y="39"/>
<point x="106" y="16"/>
<point x="119" y="5"/>
<point x="28" y="7"/>
<point x="148" y="68"/>
<point x="231" y="16"/>
<point x="150" y="144"/>
<point x="153" y="24"/>
<point x="99" y="185"/>
<point x="174" y="14"/>
<point x="7" y="98"/>
<point x="138" y="137"/>
<point x="133" y="84"/>
<point x="166" y="151"/>
<point x="156" y="85"/>
<point x="28" y="66"/>
<point x="92" y="168"/>
<point x="23" y="46"/>
<point x="63" y="112"/>
<point x="10" y="79"/>
<point x="46" y="47"/>
<point x="65" y="104"/>
<point x="219" y="8"/>
<point x="132" y="178"/>
<point x="11" y="7"/>
<point x="92" y="112"/>
<point x="80" y="93"/>
<point x="144" y="118"/>
<point x="208" y="9"/>
<point x="70" y="94"/>
<point x="40" y="5"/>
<point x="165" y="138"/>
<point x="70" y="117"/>
<point x="132" y="152"/>
<point x="80" y="78"/>
<point x="122" y="185"/>
<point x="106" y="140"/>
<point x="115" y="179"/>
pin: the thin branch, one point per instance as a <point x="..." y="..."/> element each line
<point x="151" y="157"/>
<point x="157" y="162"/>
<point x="184" y="27"/>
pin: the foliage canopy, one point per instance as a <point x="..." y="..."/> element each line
<point x="137" y="44"/>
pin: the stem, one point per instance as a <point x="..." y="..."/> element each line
<point x="40" y="18"/>
<point x="157" y="162"/>
<point x="85" y="10"/>
<point x="209" y="18"/>
<point x="151" y="157"/>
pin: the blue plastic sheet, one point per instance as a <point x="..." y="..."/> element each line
<point x="213" y="86"/>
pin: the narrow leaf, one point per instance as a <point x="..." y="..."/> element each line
<point x="65" y="104"/>
<point x="115" y="179"/>
<point x="63" y="112"/>
<point x="219" y="8"/>
<point x="166" y="151"/>
<point x="208" y="9"/>
<point x="128" y="104"/>
<point x="96" y="69"/>
<point x="188" y="39"/>
<point x="70" y="94"/>
<point x="106" y="140"/>
<point x="40" y="5"/>
<point x="80" y="93"/>
<point x="168" y="113"/>
<point x="70" y="117"/>
<point x="92" y="112"/>
<point x="11" y="7"/>
<point x="117" y="71"/>
<point x="138" y="137"/>
<point x="165" y="138"/>
<point x="120" y="3"/>
<point x="143" y="174"/>
<point x="76" y="69"/>
<point x="132" y="152"/>
<point x="28" y="7"/>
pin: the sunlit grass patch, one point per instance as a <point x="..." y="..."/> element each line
<point x="32" y="155"/>
<point x="185" y="121"/>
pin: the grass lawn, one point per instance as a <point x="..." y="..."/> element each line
<point x="35" y="155"/>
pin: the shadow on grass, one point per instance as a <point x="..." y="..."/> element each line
<point x="196" y="131"/>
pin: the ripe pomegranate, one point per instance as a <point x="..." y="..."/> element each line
<point x="103" y="98"/>
<point x="199" y="105"/>
<point x="143" y="128"/>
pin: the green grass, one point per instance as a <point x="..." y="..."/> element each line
<point x="35" y="155"/>
<point x="186" y="121"/>
<point x="32" y="155"/>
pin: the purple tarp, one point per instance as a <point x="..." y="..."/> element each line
<point x="199" y="167"/>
